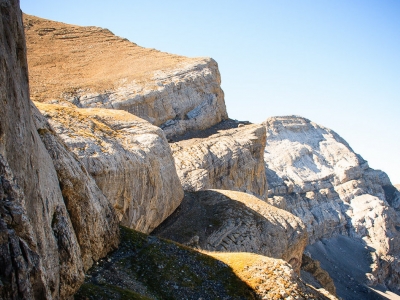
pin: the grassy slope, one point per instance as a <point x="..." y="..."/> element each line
<point x="63" y="58"/>
<point x="145" y="267"/>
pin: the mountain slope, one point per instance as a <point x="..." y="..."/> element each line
<point x="313" y="173"/>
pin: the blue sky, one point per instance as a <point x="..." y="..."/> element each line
<point x="336" y="63"/>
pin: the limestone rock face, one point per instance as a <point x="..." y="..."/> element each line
<point x="129" y="159"/>
<point x="228" y="159"/>
<point x="313" y="173"/>
<point x="228" y="221"/>
<point x="93" y="217"/>
<point x="177" y="93"/>
<point x="42" y="255"/>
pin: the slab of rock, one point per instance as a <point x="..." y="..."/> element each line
<point x="313" y="173"/>
<point x="92" y="215"/>
<point x="229" y="221"/>
<point x="129" y="159"/>
<point x="229" y="159"/>
<point x="41" y="253"/>
<point x="91" y="67"/>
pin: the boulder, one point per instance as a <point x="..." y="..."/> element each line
<point x="129" y="159"/>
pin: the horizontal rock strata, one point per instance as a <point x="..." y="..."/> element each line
<point x="129" y="159"/>
<point x="91" y="67"/>
<point x="228" y="221"/>
<point x="229" y="159"/>
<point x="313" y="173"/>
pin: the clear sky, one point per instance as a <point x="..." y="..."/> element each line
<point x="334" y="62"/>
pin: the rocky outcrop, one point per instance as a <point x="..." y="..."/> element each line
<point x="228" y="221"/>
<point x="42" y="253"/>
<point x="313" y="267"/>
<point x="229" y="159"/>
<point x="129" y="159"/>
<point x="177" y="93"/>
<point x="93" y="217"/>
<point x="313" y="173"/>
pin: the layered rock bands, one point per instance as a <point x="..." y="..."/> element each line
<point x="129" y="159"/>
<point x="91" y="67"/>
<point x="313" y="173"/>
<point x="229" y="159"/>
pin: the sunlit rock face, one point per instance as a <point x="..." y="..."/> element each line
<point x="91" y="67"/>
<point x="129" y="159"/>
<point x="230" y="159"/>
<point x="313" y="173"/>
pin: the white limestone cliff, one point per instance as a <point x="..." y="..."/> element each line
<point x="229" y="159"/>
<point x="313" y="173"/>
<point x="129" y="159"/>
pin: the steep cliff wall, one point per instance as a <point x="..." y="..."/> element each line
<point x="42" y="253"/>
<point x="313" y="173"/>
<point x="91" y="67"/>
<point x="230" y="159"/>
<point x="228" y="221"/>
<point x="129" y="159"/>
<point x="93" y="217"/>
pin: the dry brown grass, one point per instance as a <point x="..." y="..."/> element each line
<point x="64" y="58"/>
<point x="259" y="272"/>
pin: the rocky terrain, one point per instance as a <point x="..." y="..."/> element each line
<point x="117" y="132"/>
<point x="91" y="67"/>
<point x="145" y="267"/>
<point x="223" y="157"/>
<point x="313" y="173"/>
<point x="229" y="221"/>
<point x="129" y="159"/>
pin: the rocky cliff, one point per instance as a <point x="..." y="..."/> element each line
<point x="44" y="251"/>
<point x="228" y="221"/>
<point x="129" y="159"/>
<point x="313" y="173"/>
<point x="91" y="67"/>
<point x="223" y="157"/>
<point x="68" y="176"/>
